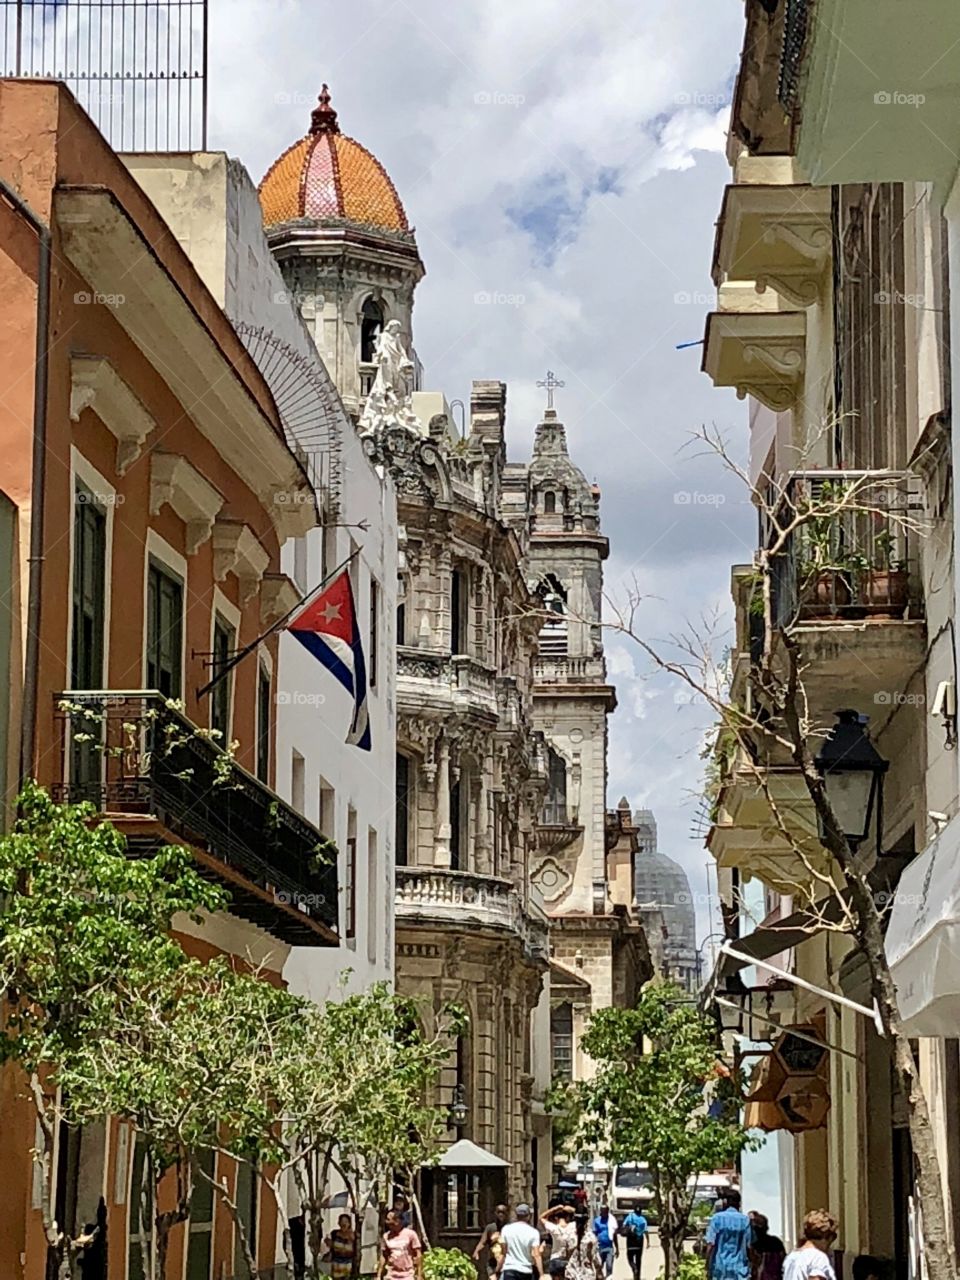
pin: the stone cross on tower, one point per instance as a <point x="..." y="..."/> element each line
<point x="551" y="382"/>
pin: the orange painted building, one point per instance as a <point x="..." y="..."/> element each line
<point x="145" y="491"/>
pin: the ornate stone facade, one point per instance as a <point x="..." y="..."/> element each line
<point x="471" y="774"/>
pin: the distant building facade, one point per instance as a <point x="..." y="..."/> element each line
<point x="663" y="894"/>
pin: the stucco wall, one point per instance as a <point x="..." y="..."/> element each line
<point x="212" y="206"/>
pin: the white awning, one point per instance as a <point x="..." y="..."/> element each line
<point x="467" y="1155"/>
<point x="923" y="938"/>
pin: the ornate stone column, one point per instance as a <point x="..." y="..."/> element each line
<point x="442" y="848"/>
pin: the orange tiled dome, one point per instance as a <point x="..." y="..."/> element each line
<point x="327" y="175"/>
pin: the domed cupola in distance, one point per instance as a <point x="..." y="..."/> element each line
<point x="340" y="234"/>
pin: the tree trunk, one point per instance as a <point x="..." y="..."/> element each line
<point x="671" y="1228"/>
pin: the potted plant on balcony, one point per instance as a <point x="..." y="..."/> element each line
<point x="823" y="576"/>
<point x="886" y="581"/>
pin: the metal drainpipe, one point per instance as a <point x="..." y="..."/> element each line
<point x="28" y="720"/>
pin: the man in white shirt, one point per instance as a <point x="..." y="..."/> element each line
<point x="522" y="1251"/>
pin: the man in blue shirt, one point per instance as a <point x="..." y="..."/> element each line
<point x="605" y="1229"/>
<point x="634" y="1230"/>
<point x="729" y="1235"/>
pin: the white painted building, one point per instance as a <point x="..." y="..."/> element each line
<point x="212" y="206"/>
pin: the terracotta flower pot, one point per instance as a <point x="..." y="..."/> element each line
<point x="824" y="594"/>
<point x="886" y="592"/>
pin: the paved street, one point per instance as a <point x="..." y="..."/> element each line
<point x="652" y="1261"/>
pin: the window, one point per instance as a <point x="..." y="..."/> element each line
<point x="200" y="1226"/>
<point x="300" y="564"/>
<point x="402" y="623"/>
<point x="561" y="1041"/>
<point x="371" y="322"/>
<point x="374" y="631"/>
<point x="328" y="810"/>
<point x="462" y="1202"/>
<point x="549" y="503"/>
<point x="459" y="611"/>
<point x="140" y="1183"/>
<point x="555" y="802"/>
<point x="247" y="1199"/>
<point x="403" y="811"/>
<point x="224" y="640"/>
<point x="89" y="590"/>
<point x="263" y="725"/>
<point x="164" y="631"/>
<point x="297" y="781"/>
<point x="372" y="869"/>
<point x="350" y="879"/>
<point x="552" y="640"/>
<point x="459" y="824"/>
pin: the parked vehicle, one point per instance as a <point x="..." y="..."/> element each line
<point x="632" y="1188"/>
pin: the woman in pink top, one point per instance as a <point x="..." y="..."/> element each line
<point x="401" y="1254"/>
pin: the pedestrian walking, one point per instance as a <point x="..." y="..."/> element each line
<point x="634" y="1232"/>
<point x="729" y="1236"/>
<point x="809" y="1261"/>
<point x="605" y="1228"/>
<point x="401" y="1253"/>
<point x="491" y="1239"/>
<point x="766" y="1251"/>
<point x="522" y="1250"/>
<point x="584" y="1260"/>
<point x="340" y="1244"/>
<point x="557" y="1223"/>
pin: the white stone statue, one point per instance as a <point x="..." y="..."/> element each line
<point x="389" y="400"/>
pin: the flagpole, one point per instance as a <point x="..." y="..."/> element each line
<point x="254" y="644"/>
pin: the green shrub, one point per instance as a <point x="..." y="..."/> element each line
<point x="450" y="1264"/>
<point x="691" y="1267"/>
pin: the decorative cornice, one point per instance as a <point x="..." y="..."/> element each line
<point x="236" y="550"/>
<point x="175" y="481"/>
<point x="95" y="384"/>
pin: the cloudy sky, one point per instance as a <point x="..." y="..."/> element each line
<point x="563" y="165"/>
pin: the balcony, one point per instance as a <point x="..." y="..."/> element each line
<point x="466" y="902"/>
<point x="848" y="583"/>
<point x="747" y="835"/>
<point x="447" y="683"/>
<point x="162" y="780"/>
<point x="557" y="828"/>
<point x="760" y="353"/>
<point x="563" y="669"/>
<point x="775" y="236"/>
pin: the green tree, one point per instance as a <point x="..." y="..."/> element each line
<point x="659" y="1096"/>
<point x="82" y="926"/>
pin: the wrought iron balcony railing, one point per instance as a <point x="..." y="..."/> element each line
<point x="791" y="63"/>
<point x="135" y="755"/>
<point x="854" y="552"/>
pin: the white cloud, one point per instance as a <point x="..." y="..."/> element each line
<point x="588" y="184"/>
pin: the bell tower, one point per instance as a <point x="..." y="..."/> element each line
<point x="340" y="235"/>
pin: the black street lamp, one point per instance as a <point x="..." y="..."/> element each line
<point x="458" y="1110"/>
<point x="732" y="997"/>
<point x="853" y="774"/>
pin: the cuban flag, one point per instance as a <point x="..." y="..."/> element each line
<point x="327" y="626"/>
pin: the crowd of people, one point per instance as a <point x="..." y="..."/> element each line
<point x="573" y="1243"/>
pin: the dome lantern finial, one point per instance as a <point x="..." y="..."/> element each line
<point x="323" y="119"/>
